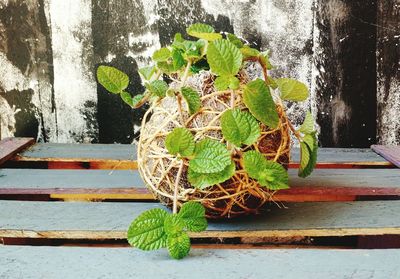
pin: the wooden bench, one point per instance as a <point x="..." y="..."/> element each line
<point x="333" y="224"/>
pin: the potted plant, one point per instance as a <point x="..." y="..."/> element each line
<point x="215" y="141"/>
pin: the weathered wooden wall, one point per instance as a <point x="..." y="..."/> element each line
<point x="348" y="52"/>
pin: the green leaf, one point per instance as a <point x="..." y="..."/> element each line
<point x="137" y="99"/>
<point x="157" y="88"/>
<point x="234" y="40"/>
<point x="165" y="67"/>
<point x="203" y="31"/>
<point x="224" y="57"/>
<point x="271" y="82"/>
<point x="192" y="98"/>
<point x="204" y="180"/>
<point x="193" y="216"/>
<point x="249" y="52"/>
<point x="147" y="72"/>
<point x="308" y="125"/>
<point x="112" y="79"/>
<point x="178" y="245"/>
<point x="278" y="173"/>
<point x="292" y="90"/>
<point x="177" y="60"/>
<point x="235" y="126"/>
<point x="255" y="131"/>
<point x="211" y="156"/>
<point x="127" y="98"/>
<point x="161" y="55"/>
<point x="225" y="82"/>
<point x="173" y="224"/>
<point x="267" y="173"/>
<point x="147" y="231"/>
<point x="308" y="154"/>
<point x="180" y="141"/>
<point x="258" y="100"/>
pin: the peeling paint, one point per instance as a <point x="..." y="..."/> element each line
<point x="74" y="82"/>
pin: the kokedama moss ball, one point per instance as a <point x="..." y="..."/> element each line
<point x="238" y="195"/>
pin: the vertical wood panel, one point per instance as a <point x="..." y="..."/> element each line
<point x="388" y="66"/>
<point x="345" y="72"/>
<point x="74" y="84"/>
<point x="26" y="72"/>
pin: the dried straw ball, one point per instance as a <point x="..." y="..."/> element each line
<point x="240" y="195"/>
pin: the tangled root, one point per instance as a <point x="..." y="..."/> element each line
<point x="240" y="195"/>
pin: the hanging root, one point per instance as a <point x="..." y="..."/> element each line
<point x="240" y="194"/>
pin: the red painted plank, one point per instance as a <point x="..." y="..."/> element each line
<point x="389" y="152"/>
<point x="9" y="147"/>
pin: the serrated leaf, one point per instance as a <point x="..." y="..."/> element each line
<point x="292" y="90"/>
<point x="225" y="82"/>
<point x="157" y="88"/>
<point x="249" y="52"/>
<point x="173" y="224"/>
<point x="178" y="245"/>
<point x="308" y="125"/>
<point x="147" y="231"/>
<point x="180" y="141"/>
<point x="112" y="79"/>
<point x="192" y="98"/>
<point x="258" y="100"/>
<point x="210" y="156"/>
<point x="308" y="154"/>
<point x="203" y="31"/>
<point x="127" y="98"/>
<point x="235" y="126"/>
<point x="165" y="67"/>
<point x="136" y="100"/>
<point x="278" y="173"/>
<point x="234" y="40"/>
<point x="204" y="180"/>
<point x="224" y="57"/>
<point x="161" y="54"/>
<point x="147" y="72"/>
<point x="177" y="60"/>
<point x="255" y="131"/>
<point x="193" y="216"/>
<point x="267" y="173"/>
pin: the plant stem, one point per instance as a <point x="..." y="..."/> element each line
<point x="179" y="97"/>
<point x="232" y="98"/>
<point x="186" y="73"/>
<point x="177" y="179"/>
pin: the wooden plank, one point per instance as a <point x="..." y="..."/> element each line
<point x="120" y="156"/>
<point x="50" y="262"/>
<point x="110" y="220"/>
<point x="11" y="146"/>
<point x="390" y="153"/>
<point x="323" y="185"/>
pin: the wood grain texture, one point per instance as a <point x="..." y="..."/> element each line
<point x="111" y="220"/>
<point x="50" y="262"/>
<point x="323" y="185"/>
<point x="390" y="153"/>
<point x="123" y="156"/>
<point x="11" y="146"/>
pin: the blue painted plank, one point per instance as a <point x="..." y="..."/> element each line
<point x="74" y="262"/>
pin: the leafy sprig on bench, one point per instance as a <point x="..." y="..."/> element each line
<point x="156" y="228"/>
